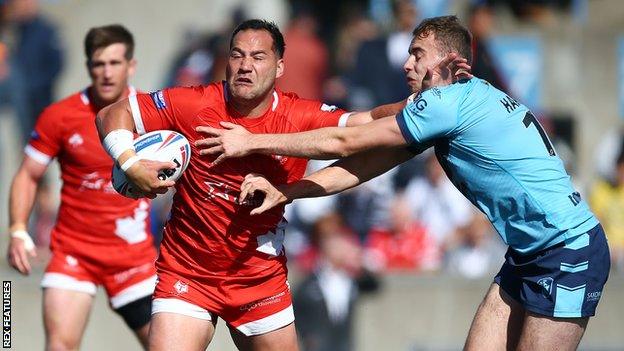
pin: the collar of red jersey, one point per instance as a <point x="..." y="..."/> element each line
<point x="84" y="95"/>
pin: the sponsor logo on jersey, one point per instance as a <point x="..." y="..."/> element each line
<point x="221" y="190"/>
<point x="181" y="287"/>
<point x="436" y="92"/>
<point x="71" y="260"/>
<point x="268" y="301"/>
<point x="159" y="99"/>
<point x="546" y="284"/>
<point x="421" y="104"/>
<point x="328" y="108"/>
<point x="92" y="181"/>
<point x="416" y="101"/>
<point x="594" y="296"/>
<point x="127" y="274"/>
<point x="75" y="140"/>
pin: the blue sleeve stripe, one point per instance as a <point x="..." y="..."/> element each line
<point x="413" y="144"/>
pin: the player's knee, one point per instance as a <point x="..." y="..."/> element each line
<point x="137" y="313"/>
<point x="59" y="343"/>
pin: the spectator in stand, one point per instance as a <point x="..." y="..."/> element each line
<point x="437" y="204"/>
<point x="194" y="64"/>
<point x="607" y="201"/>
<point x="203" y="57"/>
<point x="324" y="302"/>
<point x="354" y="28"/>
<point x="403" y="246"/>
<point x="367" y="206"/>
<point x="378" y="70"/>
<point x="477" y="253"/>
<point x="37" y="52"/>
<point x="12" y="88"/>
<point x="306" y="57"/>
<point x="480" y="22"/>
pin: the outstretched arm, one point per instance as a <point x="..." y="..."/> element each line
<point x="359" y="118"/>
<point x="328" y="143"/>
<point x="324" y="143"/>
<point x="341" y="175"/>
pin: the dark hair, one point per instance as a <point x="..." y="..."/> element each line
<point x="257" y="24"/>
<point x="101" y="37"/>
<point x="449" y="35"/>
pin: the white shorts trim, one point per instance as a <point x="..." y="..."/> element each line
<point x="136" y="114"/>
<point x="268" y="324"/>
<point x="66" y="282"/>
<point x="134" y="292"/>
<point x="182" y="307"/>
<point x="37" y="155"/>
<point x="342" y="122"/>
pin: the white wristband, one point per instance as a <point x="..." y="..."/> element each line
<point x="22" y="234"/>
<point x="117" y="142"/>
<point x="129" y="162"/>
<point x="342" y="122"/>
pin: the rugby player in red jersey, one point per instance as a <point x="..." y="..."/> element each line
<point x="100" y="237"/>
<point x="216" y="260"/>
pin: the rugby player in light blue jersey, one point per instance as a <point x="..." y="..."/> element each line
<point x="497" y="154"/>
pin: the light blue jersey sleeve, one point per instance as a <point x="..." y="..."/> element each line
<point x="428" y="117"/>
<point x="497" y="154"/>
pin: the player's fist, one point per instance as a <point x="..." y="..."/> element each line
<point x="144" y="175"/>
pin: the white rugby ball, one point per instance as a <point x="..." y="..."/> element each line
<point x="159" y="145"/>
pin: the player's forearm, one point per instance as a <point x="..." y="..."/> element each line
<point x="387" y="109"/>
<point x="327" y="181"/>
<point x="346" y="173"/>
<point x="116" y="118"/>
<point x="325" y="143"/>
<point x="359" y="118"/>
<point x="21" y="200"/>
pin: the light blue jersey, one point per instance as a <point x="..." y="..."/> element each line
<point x="496" y="153"/>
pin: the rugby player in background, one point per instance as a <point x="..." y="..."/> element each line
<point x="100" y="237"/>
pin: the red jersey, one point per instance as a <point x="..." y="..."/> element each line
<point x="92" y="217"/>
<point x="209" y="232"/>
<point x="411" y="249"/>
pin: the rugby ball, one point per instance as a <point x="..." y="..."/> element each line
<point x="159" y="145"/>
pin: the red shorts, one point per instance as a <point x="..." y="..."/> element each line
<point x="125" y="281"/>
<point x="253" y="304"/>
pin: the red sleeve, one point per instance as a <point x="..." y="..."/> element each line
<point x="166" y="109"/>
<point x="45" y="139"/>
<point x="309" y="114"/>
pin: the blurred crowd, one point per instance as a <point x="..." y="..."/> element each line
<point x="411" y="220"/>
